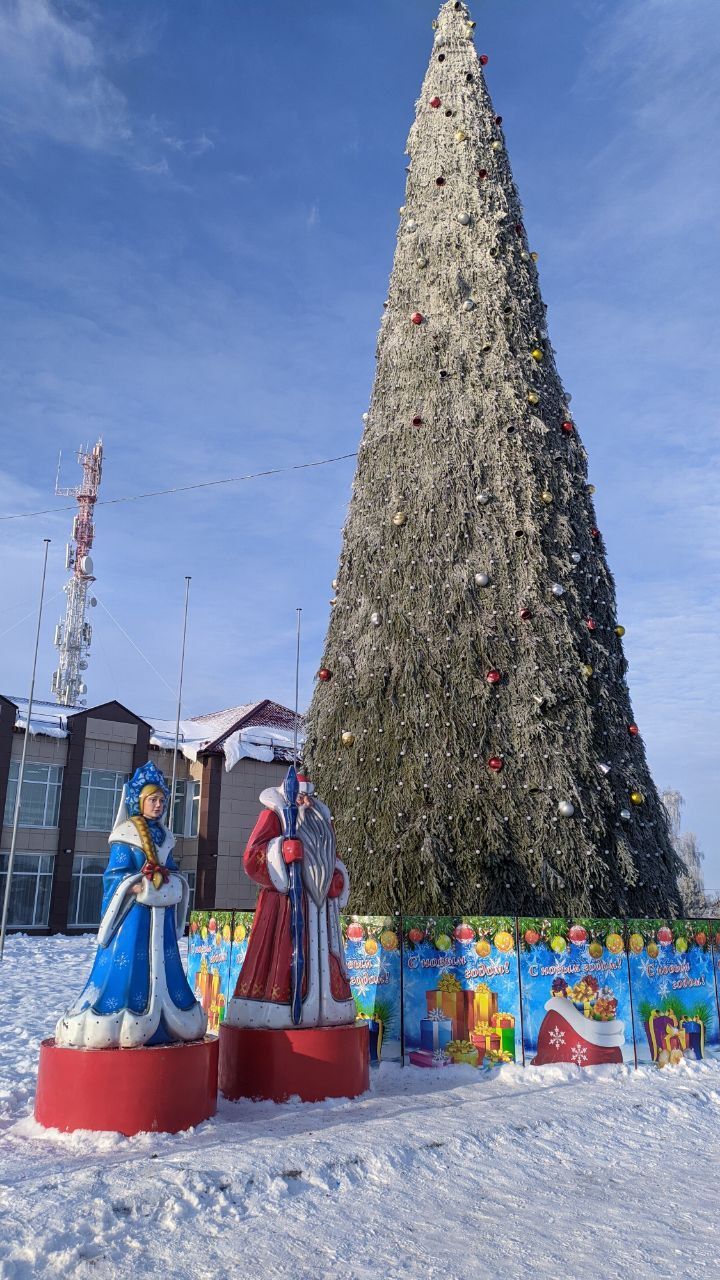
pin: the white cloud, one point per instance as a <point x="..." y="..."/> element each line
<point x="56" y="84"/>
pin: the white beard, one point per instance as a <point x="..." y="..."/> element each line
<point x="318" y="841"/>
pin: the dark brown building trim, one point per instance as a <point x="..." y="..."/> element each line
<point x="8" y="716"/>
<point x="67" y="825"/>
<point x="208" y="831"/>
<point x="141" y="754"/>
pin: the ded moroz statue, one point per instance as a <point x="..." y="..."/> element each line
<point x="294" y="972"/>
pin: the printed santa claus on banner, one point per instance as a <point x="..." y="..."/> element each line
<point x="294" y="973"/>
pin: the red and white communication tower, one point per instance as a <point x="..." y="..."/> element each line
<point x="74" y="633"/>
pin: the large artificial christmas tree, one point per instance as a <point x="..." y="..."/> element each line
<point x="472" y="726"/>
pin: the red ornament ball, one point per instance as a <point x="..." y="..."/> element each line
<point x="518" y="228"/>
<point x="526" y="614"/>
<point x="531" y="937"/>
<point x="355" y="932"/>
<point x="577" y="934"/>
<point x="464" y="933"/>
<point x="496" y="764"/>
<point x="417" y="421"/>
<point x="595" y="533"/>
<point x="440" y="182"/>
<point x="417" y="317"/>
<point x="212" y="925"/>
<point x="415" y="935"/>
<point x="436" y="102"/>
<point x="591" y="624"/>
<point x="484" y="59"/>
<point x="498" y="119"/>
<point x="324" y="674"/>
<point x="482" y="173"/>
<point x="568" y="427"/>
<point x="664" y="935"/>
<point x="493" y="676"/>
<point x="633" y="730"/>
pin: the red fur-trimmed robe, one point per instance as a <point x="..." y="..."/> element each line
<point x="262" y="994"/>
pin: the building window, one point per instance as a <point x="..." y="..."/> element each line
<point x="40" y="800"/>
<point x="186" y="809"/>
<point x="87" y="889"/>
<point x="31" y="889"/>
<point x="190" y="876"/>
<point x="100" y="794"/>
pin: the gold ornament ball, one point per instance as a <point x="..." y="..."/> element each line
<point x="547" y="497"/>
<point x="422" y="262"/>
<point x="533" y="397"/>
<point x="537" y="354"/>
<point x="619" y="631"/>
<point x="534" y="256"/>
<point x="399" y="518"/>
<point x="637" y="797"/>
<point x="348" y="739"/>
<point x="460" y="135"/>
<point x="497" y="146"/>
<point x="590" y="488"/>
<point x="586" y="670"/>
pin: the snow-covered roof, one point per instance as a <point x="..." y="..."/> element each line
<point x="261" y="730"/>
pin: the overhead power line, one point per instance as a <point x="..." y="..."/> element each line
<point x="184" y="488"/>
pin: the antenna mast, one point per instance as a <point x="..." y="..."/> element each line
<point x="74" y="633"/>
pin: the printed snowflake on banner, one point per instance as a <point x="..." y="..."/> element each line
<point x="579" y="1055"/>
<point x="664" y="988"/>
<point x="645" y="967"/>
<point x="557" y="1037"/>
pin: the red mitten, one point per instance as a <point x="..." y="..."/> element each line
<point x="292" y="850"/>
<point x="336" y="884"/>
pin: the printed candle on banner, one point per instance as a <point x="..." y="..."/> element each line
<point x="372" y="956"/>
<point x="461" y="999"/>
<point x="208" y="964"/>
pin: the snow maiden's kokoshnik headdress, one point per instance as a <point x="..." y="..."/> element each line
<point x="146" y="779"/>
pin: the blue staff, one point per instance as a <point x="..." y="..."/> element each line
<point x="295" y="892"/>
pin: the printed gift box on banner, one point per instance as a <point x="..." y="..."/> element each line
<point x="456" y="1004"/>
<point x="673" y="984"/>
<point x="436" y="1031"/>
<point x="460" y="974"/>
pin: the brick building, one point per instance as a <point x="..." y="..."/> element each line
<point x="77" y="762"/>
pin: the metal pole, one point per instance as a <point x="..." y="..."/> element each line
<point x="297" y="687"/>
<point x="171" y="813"/>
<point x="21" y="773"/>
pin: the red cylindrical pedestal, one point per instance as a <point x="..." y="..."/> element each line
<point x="162" y="1089"/>
<point x="312" y="1064"/>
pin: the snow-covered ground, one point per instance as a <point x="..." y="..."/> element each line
<point x="545" y="1171"/>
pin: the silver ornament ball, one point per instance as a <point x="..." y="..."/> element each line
<point x="557" y="589"/>
<point x="482" y="579"/>
<point x="566" y="809"/>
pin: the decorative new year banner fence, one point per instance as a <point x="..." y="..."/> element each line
<point x="461" y="995"/>
<point x="217" y="943"/>
<point x="575" y="992"/>
<point x="484" y="991"/>
<point x="372" y="954"/>
<point x="673" y="987"/>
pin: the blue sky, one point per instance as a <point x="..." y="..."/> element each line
<point x="198" y="207"/>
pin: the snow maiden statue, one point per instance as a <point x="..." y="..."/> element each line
<point x="137" y="992"/>
<point x="131" y="1055"/>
